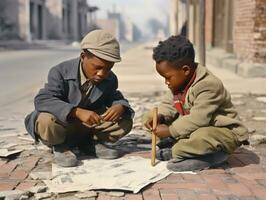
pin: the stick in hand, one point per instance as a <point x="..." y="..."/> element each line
<point x="154" y="125"/>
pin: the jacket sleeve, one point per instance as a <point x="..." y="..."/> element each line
<point x="165" y="108"/>
<point x="52" y="98"/>
<point x="208" y="97"/>
<point x="116" y="97"/>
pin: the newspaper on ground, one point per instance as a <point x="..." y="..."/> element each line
<point x="6" y="152"/>
<point x="127" y="173"/>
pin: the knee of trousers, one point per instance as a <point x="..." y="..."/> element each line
<point x="49" y="129"/>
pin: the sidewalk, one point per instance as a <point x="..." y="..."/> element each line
<point x="137" y="67"/>
<point x="242" y="177"/>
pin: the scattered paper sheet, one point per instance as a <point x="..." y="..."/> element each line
<point x="127" y="173"/>
<point x="6" y="152"/>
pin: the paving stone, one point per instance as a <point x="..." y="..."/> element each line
<point x="186" y="194"/>
<point x="212" y="171"/>
<point x="239" y="189"/>
<point x="261" y="182"/>
<point x="151" y="194"/>
<point x="173" y="178"/>
<point x="116" y="194"/>
<point x="229" y="179"/>
<point x="195" y="178"/>
<point x="19" y="174"/>
<point x="8" y="167"/>
<point x="185" y="185"/>
<point x="38" y="189"/>
<point x="40" y="196"/>
<point x="26" y="185"/>
<point x="248" y="169"/>
<point x="216" y="184"/>
<point x="169" y="197"/>
<point x="253" y="176"/>
<point x="168" y="191"/>
<point x="11" y="193"/>
<point x="24" y="197"/>
<point x="2" y="162"/>
<point x="248" y="198"/>
<point x="103" y="197"/>
<point x="259" y="192"/>
<point x="41" y="175"/>
<point x="86" y="194"/>
<point x="134" y="197"/>
<point x="6" y="184"/>
<point x="30" y="163"/>
<point x="207" y="197"/>
<point x="228" y="197"/>
<point x="4" y="175"/>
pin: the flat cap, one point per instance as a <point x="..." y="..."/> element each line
<point x="102" y="44"/>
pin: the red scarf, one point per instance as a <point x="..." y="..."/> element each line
<point x="179" y="98"/>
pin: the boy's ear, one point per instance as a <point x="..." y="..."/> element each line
<point x="186" y="69"/>
<point x="82" y="55"/>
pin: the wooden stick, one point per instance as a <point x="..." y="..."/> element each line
<point x="154" y="125"/>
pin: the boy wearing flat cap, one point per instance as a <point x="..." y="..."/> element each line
<point x="80" y="105"/>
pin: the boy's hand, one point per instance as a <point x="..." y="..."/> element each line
<point x="162" y="131"/>
<point x="113" y="113"/>
<point x="148" y="123"/>
<point x="87" y="116"/>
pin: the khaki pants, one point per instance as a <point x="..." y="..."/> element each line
<point x="52" y="132"/>
<point x="205" y="140"/>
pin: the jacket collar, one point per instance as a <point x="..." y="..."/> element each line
<point x="74" y="70"/>
<point x="201" y="72"/>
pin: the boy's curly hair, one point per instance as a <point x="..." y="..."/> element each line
<point x="176" y="49"/>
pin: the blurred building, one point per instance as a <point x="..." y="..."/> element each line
<point x="46" y="19"/>
<point x="235" y="32"/>
<point x="110" y="25"/>
<point x="120" y="26"/>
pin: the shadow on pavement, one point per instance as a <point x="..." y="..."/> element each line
<point x="243" y="157"/>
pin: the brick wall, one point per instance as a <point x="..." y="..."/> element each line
<point x="249" y="30"/>
<point x="260" y="31"/>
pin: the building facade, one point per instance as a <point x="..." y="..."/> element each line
<point x="46" y="19"/>
<point x="235" y="33"/>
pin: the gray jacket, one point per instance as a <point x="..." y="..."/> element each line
<point x="62" y="93"/>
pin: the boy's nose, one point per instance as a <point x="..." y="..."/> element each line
<point x="101" y="73"/>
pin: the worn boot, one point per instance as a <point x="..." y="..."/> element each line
<point x="99" y="150"/>
<point x="164" y="154"/>
<point x="105" y="151"/>
<point x="168" y="142"/>
<point x="198" y="163"/>
<point x="63" y="156"/>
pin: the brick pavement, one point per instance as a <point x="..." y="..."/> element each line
<point x="242" y="177"/>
